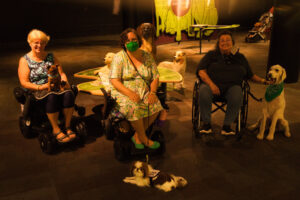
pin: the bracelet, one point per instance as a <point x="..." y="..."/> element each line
<point x="38" y="88"/>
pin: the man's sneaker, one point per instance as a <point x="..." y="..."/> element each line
<point x="226" y="130"/>
<point x="205" y="128"/>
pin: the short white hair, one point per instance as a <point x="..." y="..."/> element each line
<point x="37" y="34"/>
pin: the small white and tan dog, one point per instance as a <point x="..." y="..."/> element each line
<point x="178" y="65"/>
<point x="274" y="105"/>
<point x="143" y="175"/>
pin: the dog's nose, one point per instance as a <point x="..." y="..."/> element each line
<point x="269" y="75"/>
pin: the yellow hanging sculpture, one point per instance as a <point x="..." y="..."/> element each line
<point x="173" y="16"/>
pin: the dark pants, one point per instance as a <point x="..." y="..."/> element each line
<point x="53" y="103"/>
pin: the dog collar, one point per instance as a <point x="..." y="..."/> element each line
<point x="49" y="75"/>
<point x="154" y="173"/>
<point x="273" y="91"/>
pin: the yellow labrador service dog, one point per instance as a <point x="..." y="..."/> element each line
<point x="274" y="105"/>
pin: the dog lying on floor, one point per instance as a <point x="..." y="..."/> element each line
<point x="146" y="31"/>
<point x="145" y="176"/>
<point x="178" y="65"/>
<point x="274" y="105"/>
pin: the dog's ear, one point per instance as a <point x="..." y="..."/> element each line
<point x="282" y="75"/>
<point x="132" y="168"/>
<point x="153" y="30"/>
<point x="145" y="169"/>
<point x="139" y="30"/>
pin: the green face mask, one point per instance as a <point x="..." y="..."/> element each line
<point x="132" y="46"/>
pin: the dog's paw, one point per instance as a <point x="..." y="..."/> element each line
<point x="252" y="127"/>
<point x="125" y="180"/>
<point x="260" y="136"/>
<point x="287" y="134"/>
<point x="270" y="137"/>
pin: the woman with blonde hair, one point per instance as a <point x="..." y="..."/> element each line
<point x="33" y="76"/>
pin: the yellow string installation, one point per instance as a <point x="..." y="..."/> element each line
<point x="174" y="16"/>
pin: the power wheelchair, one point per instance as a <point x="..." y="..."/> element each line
<point x="220" y="103"/>
<point x="118" y="129"/>
<point x="34" y="121"/>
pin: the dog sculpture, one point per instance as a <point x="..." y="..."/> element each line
<point x="107" y="60"/>
<point x="146" y="31"/>
<point x="103" y="72"/>
<point x="143" y="175"/>
<point x="178" y="65"/>
<point x="274" y="105"/>
<point x="54" y="80"/>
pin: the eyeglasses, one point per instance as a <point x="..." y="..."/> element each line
<point x="38" y="43"/>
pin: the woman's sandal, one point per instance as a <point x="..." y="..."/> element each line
<point x="137" y="146"/>
<point x="62" y="139"/>
<point x="70" y="133"/>
<point x="155" y="145"/>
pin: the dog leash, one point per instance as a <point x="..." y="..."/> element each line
<point x="250" y="93"/>
<point x="147" y="158"/>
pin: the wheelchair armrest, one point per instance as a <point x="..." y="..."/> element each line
<point x="74" y="89"/>
<point x="21" y="94"/>
<point x="109" y="103"/>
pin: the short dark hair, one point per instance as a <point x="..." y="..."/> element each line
<point x="124" y="37"/>
<point x="224" y="32"/>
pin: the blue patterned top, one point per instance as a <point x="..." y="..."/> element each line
<point x="38" y="70"/>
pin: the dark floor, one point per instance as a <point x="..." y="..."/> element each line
<point x="216" y="168"/>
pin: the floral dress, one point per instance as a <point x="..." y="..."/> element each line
<point x="122" y="69"/>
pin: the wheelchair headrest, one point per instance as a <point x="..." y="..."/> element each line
<point x="74" y="89"/>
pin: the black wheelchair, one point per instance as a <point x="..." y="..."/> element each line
<point x="118" y="129"/>
<point x="34" y="121"/>
<point x="220" y="103"/>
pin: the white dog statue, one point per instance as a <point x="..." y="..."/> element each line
<point x="103" y="72"/>
<point x="274" y="105"/>
<point x="178" y="65"/>
<point x="143" y="175"/>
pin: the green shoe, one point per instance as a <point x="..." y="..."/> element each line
<point x="155" y="145"/>
<point x="137" y="146"/>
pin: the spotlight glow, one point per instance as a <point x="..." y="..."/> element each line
<point x="208" y="2"/>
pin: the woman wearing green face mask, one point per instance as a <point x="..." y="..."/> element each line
<point x="134" y="76"/>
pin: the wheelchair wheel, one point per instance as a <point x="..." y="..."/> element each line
<point x="122" y="149"/>
<point x="25" y="127"/>
<point x="196" y="108"/>
<point x="80" y="128"/>
<point x="108" y="130"/>
<point x="47" y="142"/>
<point x="158" y="136"/>
<point x="80" y="110"/>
